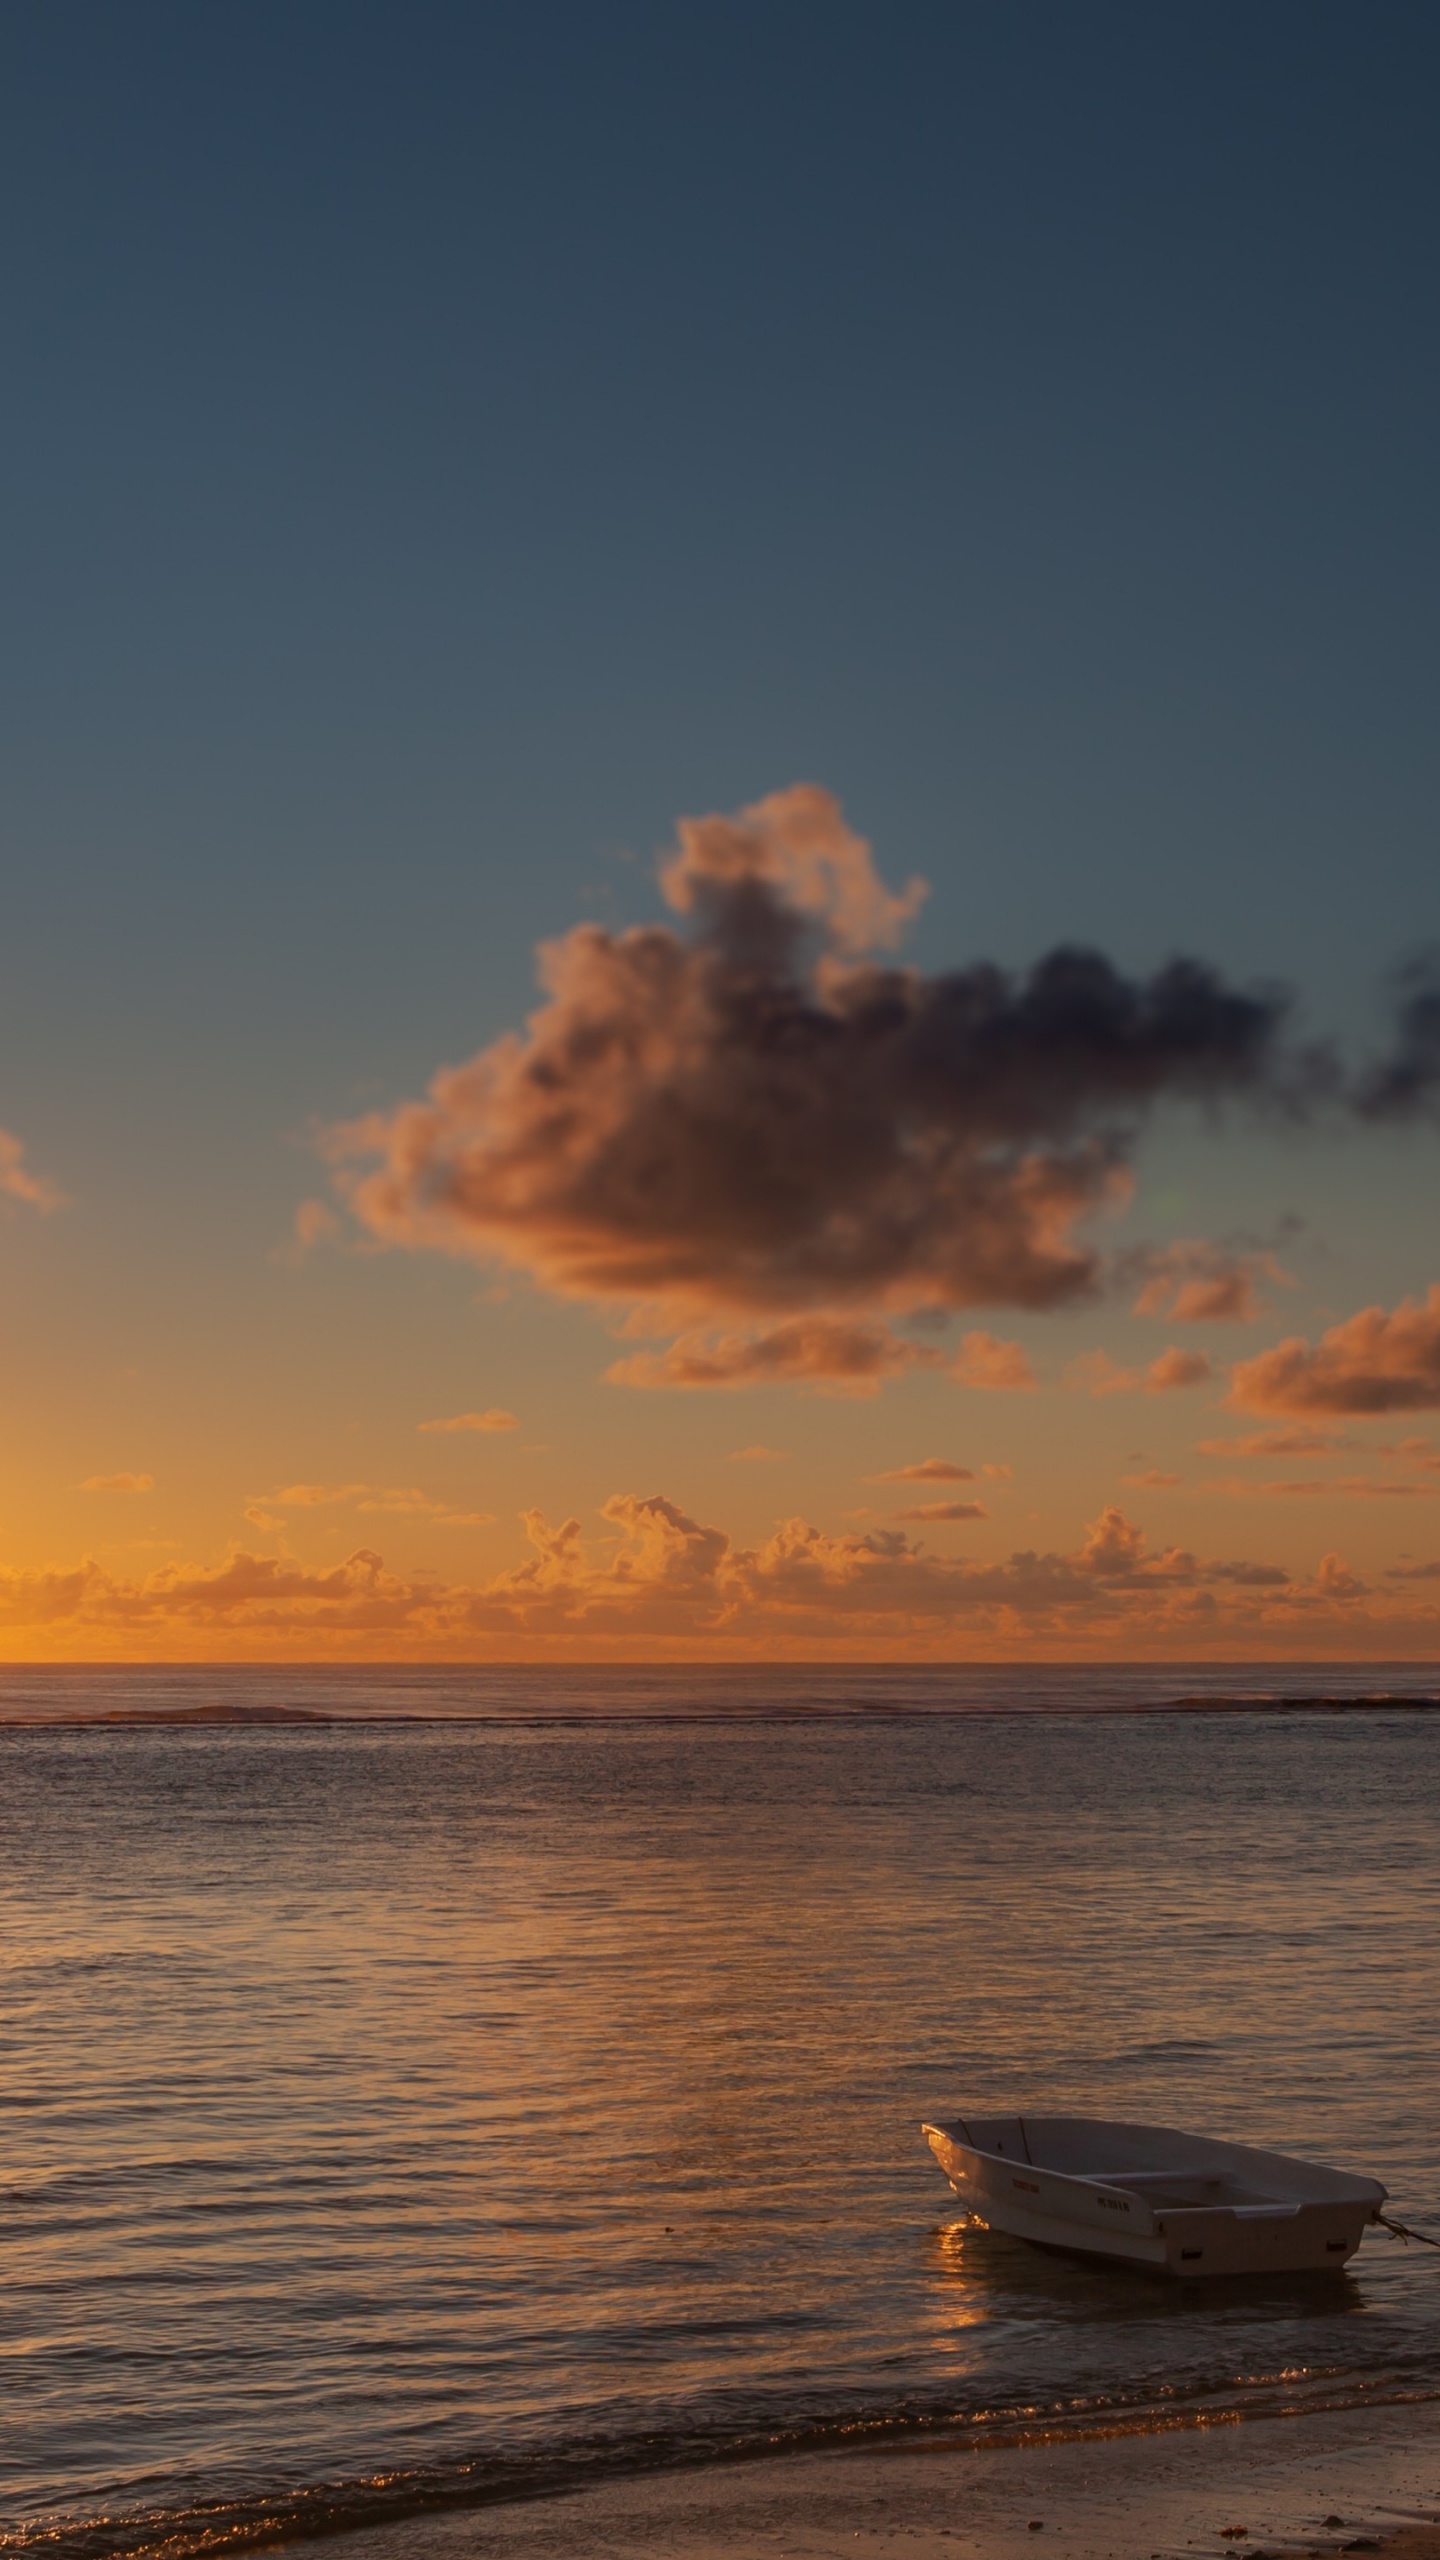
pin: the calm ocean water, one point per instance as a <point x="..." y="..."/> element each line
<point x="403" y="2111"/>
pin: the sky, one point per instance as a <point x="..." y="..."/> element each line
<point x="591" y="598"/>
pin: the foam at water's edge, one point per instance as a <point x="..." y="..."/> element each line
<point x="340" y="2506"/>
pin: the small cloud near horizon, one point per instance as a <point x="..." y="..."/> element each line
<point x="1375" y="1362"/>
<point x="758" y="1451"/>
<point x="937" y="1511"/>
<point x="125" y="1482"/>
<point x="495" y="1418"/>
<point x="1417" y="1453"/>
<point x="396" y="1498"/>
<point x="313" y="1223"/>
<point x="1095" y="1373"/>
<point x="985" y="1361"/>
<point x="1339" y="1488"/>
<point x="929" y="1471"/>
<point x="1277" y="1444"/>
<point x="1194" y="1282"/>
<point x="1175" y="1370"/>
<point x="17" y="1182"/>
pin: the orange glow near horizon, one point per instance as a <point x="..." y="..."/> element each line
<point x="368" y="1462"/>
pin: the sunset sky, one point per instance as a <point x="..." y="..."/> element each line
<point x="599" y="604"/>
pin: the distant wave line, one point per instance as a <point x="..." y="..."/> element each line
<point x="271" y="1719"/>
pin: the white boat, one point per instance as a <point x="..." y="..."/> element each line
<point x="1151" y="2196"/>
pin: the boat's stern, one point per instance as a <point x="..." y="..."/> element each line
<point x="1279" y="2239"/>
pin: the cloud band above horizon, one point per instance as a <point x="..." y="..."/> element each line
<point x="658" y="1575"/>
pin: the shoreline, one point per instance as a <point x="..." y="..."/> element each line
<point x="1318" y="2483"/>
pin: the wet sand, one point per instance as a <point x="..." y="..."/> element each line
<point x="1354" y="2480"/>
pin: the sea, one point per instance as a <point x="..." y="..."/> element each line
<point x="421" y="2088"/>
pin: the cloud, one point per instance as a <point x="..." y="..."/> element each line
<point x="125" y="1482"/>
<point x="313" y="1223"/>
<point x="809" y="1350"/>
<point x="402" y="1498"/>
<point x="758" y="1452"/>
<point x="1421" y="1453"/>
<point x="1428" y="1461"/>
<point x="747" y="1120"/>
<point x="1277" y="1444"/>
<point x="985" y="1361"/>
<point x="246" y="1592"/>
<point x="1407" y="1083"/>
<point x="945" y="1511"/>
<point x="1116" y="1553"/>
<point x="17" y="1182"/>
<point x="794" y="851"/>
<point x="1192" y="1282"/>
<point x="654" y="1579"/>
<point x="1154" y="1479"/>
<point x="1176" y="1369"/>
<point x="1372" y="1363"/>
<point x="494" y="1419"/>
<point x="1096" y="1373"/>
<point x="1231" y="1299"/>
<point x="929" y="1471"/>
<point x="1350" y="1488"/>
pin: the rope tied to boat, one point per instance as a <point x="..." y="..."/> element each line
<point x="1403" y="2231"/>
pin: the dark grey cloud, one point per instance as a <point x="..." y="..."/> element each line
<point x="745" y="1119"/>
<point x="1406" y="1084"/>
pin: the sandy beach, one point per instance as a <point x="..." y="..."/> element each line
<point x="1352" y="2480"/>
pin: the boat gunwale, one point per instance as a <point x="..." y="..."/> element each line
<point x="1344" y="2186"/>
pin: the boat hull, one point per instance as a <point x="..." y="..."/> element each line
<point x="1261" y="2221"/>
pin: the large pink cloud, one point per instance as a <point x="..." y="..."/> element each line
<point x="1376" y="1362"/>
<point x="748" y="1121"/>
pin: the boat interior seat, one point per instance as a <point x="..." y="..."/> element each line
<point x="1176" y="2190"/>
